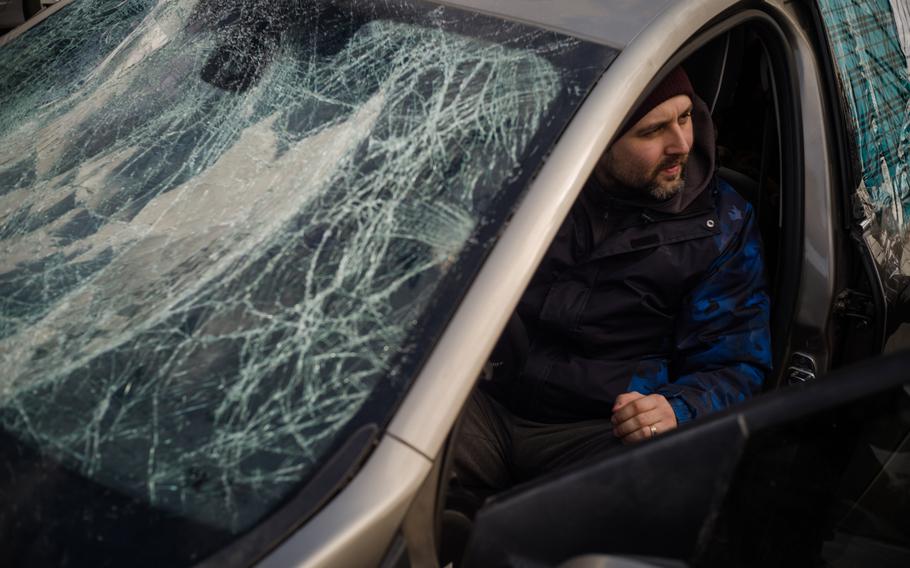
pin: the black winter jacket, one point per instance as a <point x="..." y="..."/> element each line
<point x="629" y="299"/>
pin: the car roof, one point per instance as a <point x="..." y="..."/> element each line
<point x="611" y="22"/>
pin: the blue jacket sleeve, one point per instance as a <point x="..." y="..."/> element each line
<point x="723" y="336"/>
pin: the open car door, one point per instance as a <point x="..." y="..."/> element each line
<point x="817" y="473"/>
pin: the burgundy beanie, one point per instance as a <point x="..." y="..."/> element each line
<point x="676" y="83"/>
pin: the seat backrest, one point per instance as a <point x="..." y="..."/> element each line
<point x="714" y="69"/>
<point x="11" y="14"/>
<point x="744" y="185"/>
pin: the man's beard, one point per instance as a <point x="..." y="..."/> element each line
<point x="665" y="191"/>
<point x="612" y="176"/>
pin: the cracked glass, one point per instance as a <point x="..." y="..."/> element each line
<point x="231" y="233"/>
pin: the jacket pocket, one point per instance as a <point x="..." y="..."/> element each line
<point x="564" y="304"/>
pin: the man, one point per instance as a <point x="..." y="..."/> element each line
<point x="649" y="310"/>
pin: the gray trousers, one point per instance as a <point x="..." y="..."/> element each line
<point x="496" y="449"/>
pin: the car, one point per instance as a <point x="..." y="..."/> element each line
<point x="256" y="254"/>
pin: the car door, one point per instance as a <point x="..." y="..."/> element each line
<point x="816" y="473"/>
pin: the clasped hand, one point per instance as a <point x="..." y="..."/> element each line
<point x="637" y="417"/>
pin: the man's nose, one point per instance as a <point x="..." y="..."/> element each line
<point x="678" y="142"/>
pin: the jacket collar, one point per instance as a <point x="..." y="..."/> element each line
<point x="620" y="229"/>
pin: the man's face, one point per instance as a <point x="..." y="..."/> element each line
<point x="652" y="155"/>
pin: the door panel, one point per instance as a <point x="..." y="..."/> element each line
<point x="808" y="475"/>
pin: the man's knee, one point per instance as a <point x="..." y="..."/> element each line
<point x="481" y="449"/>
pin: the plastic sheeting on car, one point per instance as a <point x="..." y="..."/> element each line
<point x="869" y="41"/>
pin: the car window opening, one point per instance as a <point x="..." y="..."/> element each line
<point x="735" y="75"/>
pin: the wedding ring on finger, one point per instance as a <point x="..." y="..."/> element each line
<point x="653" y="430"/>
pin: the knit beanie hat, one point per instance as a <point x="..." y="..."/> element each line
<point x="675" y="83"/>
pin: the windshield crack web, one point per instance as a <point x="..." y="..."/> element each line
<point x="205" y="277"/>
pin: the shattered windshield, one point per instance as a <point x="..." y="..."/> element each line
<point x="231" y="232"/>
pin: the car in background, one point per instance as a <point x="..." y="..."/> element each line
<point x="256" y="254"/>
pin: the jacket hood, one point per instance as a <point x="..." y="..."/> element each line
<point x="699" y="172"/>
